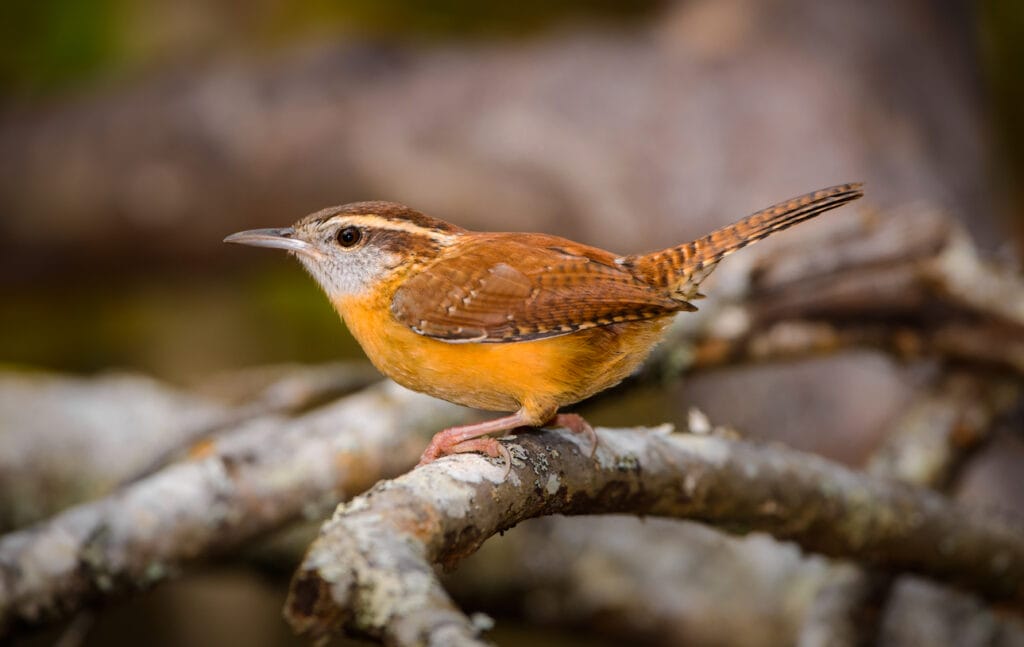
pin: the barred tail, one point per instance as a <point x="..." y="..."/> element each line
<point x="682" y="268"/>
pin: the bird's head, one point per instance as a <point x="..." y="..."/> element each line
<point x="350" y="249"/>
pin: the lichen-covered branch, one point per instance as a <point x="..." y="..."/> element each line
<point x="370" y="571"/>
<point x="925" y="447"/>
<point x="66" y="439"/>
<point x="266" y="473"/>
<point x="867" y="286"/>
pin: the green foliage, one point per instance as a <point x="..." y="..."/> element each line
<point x="447" y="18"/>
<point x="54" y="42"/>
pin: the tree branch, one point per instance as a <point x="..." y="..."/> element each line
<point x="926" y="446"/>
<point x="266" y="473"/>
<point x="68" y="439"/>
<point x="813" y="301"/>
<point x="370" y="571"/>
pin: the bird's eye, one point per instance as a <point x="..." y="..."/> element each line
<point x="349" y="236"/>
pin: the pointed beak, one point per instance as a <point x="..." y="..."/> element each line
<point x="276" y="238"/>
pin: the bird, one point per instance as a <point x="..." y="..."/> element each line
<point x="519" y="323"/>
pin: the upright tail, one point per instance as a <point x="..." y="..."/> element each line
<point x="681" y="269"/>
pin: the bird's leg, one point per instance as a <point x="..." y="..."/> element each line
<point x="476" y="437"/>
<point x="577" y="425"/>
<point x="473" y="438"/>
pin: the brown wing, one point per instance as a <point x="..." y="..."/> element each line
<point x="519" y="287"/>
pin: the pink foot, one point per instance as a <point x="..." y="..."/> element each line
<point x="444" y="444"/>
<point x="488" y="447"/>
<point x="577" y="425"/>
<point x="473" y="438"/>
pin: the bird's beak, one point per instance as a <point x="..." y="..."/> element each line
<point x="282" y="238"/>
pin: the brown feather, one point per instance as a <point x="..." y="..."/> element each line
<point x="681" y="269"/>
<point x="521" y="287"/>
<point x="503" y="287"/>
<point x="392" y="211"/>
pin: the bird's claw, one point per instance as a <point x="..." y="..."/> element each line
<point x="445" y="445"/>
<point x="577" y="425"/>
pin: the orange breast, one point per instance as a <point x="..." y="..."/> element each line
<point x="539" y="376"/>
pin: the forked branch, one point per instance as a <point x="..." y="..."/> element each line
<point x="371" y="570"/>
<point x="249" y="481"/>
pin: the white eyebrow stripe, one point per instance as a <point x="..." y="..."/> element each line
<point x="377" y="222"/>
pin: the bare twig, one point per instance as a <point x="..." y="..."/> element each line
<point x="263" y="475"/>
<point x="370" y="571"/>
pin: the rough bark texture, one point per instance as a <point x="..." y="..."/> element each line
<point x="255" y="479"/>
<point x="370" y="571"/>
<point x="66" y="439"/>
<point x="681" y="588"/>
<point x="924" y="448"/>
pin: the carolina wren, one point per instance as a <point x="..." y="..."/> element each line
<point x="516" y="322"/>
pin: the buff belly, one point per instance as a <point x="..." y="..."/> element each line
<point x="540" y="375"/>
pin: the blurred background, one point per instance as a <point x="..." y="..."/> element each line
<point x="136" y="134"/>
